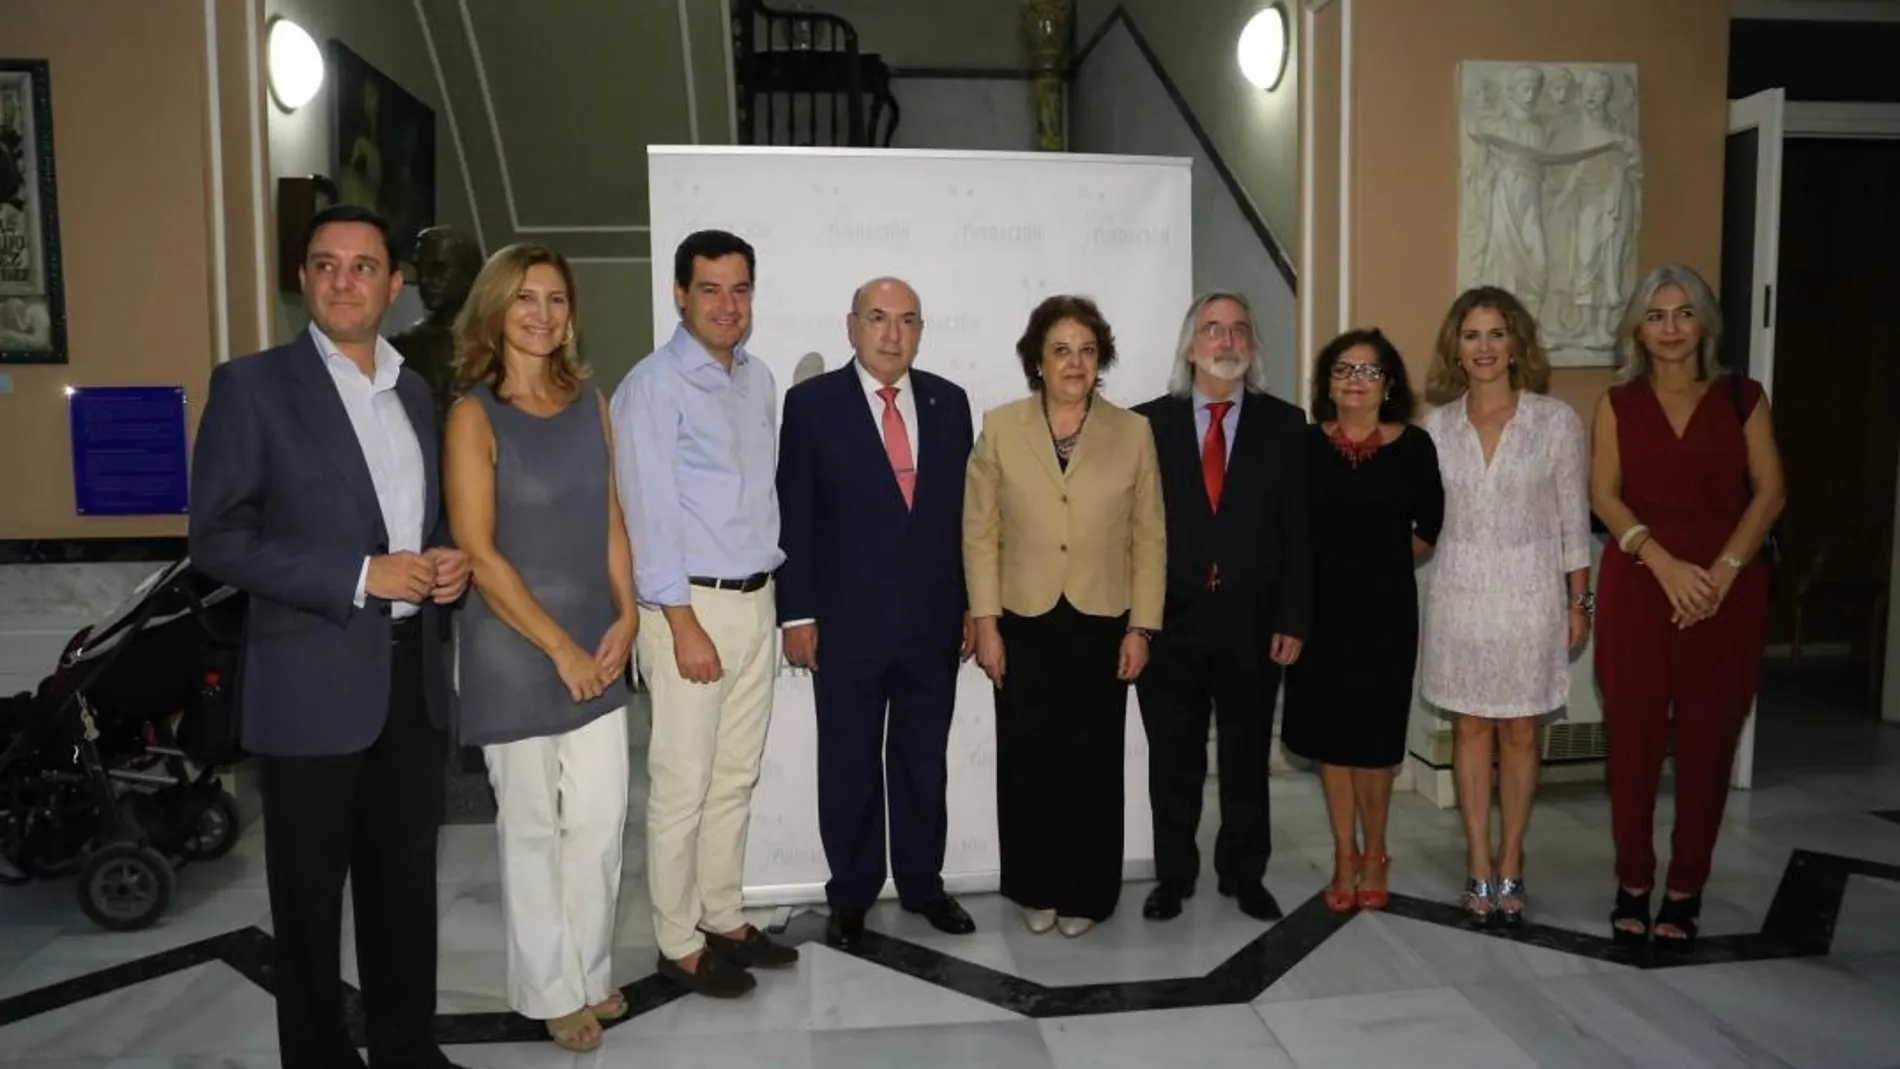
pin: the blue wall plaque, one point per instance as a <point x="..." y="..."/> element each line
<point x="129" y="455"/>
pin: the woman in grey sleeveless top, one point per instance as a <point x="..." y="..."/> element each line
<point x="546" y="632"/>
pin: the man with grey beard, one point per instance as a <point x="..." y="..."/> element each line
<point x="1233" y="478"/>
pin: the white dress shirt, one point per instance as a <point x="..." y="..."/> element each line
<point x="390" y="448"/>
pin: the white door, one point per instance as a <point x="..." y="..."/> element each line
<point x="1751" y="251"/>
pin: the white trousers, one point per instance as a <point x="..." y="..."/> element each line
<point x="703" y="762"/>
<point x="563" y="811"/>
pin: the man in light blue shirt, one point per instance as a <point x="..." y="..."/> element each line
<point x="696" y="455"/>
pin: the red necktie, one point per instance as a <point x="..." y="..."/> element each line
<point x="897" y="445"/>
<point x="1214" y="452"/>
<point x="1214" y="468"/>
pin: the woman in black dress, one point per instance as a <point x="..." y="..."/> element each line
<point x="1376" y="505"/>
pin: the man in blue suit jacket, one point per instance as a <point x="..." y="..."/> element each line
<point x="870" y="487"/>
<point x="315" y="491"/>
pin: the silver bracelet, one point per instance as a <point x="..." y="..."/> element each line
<point x="1629" y="536"/>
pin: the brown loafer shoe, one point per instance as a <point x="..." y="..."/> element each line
<point x="755" y="951"/>
<point x="714" y="977"/>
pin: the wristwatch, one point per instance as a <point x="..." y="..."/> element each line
<point x="1733" y="561"/>
<point x="1586" y="602"/>
<point x="1147" y="635"/>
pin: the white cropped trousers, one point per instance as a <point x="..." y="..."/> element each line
<point x="563" y="809"/>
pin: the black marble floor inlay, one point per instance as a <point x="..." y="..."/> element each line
<point x="113" y="978"/>
<point x="1800" y="923"/>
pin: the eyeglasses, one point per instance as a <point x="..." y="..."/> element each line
<point x="1240" y="333"/>
<point x="1345" y="372"/>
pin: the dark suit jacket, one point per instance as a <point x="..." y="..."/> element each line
<point x="1259" y="536"/>
<point x="282" y="507"/>
<point x="878" y="578"/>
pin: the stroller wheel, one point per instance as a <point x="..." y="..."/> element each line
<point x="125" y="887"/>
<point x="215" y="832"/>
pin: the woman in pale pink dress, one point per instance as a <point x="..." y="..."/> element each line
<point x="1509" y="595"/>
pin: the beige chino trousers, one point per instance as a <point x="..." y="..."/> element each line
<point x="703" y="762"/>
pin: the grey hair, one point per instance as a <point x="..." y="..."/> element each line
<point x="1181" y="379"/>
<point x="1708" y="312"/>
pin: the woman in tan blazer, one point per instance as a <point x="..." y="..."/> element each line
<point x="1064" y="546"/>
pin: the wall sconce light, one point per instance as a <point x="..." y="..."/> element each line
<point x="1263" y="48"/>
<point x="295" y="63"/>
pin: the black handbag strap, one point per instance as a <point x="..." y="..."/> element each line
<point x="1771" y="545"/>
<point x="1735" y="399"/>
<point x="1741" y="417"/>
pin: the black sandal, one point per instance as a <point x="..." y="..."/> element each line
<point x="1630" y="907"/>
<point x="1682" y="913"/>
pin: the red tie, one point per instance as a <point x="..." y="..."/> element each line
<point x="897" y="445"/>
<point x="1214" y="452"/>
<point x="1214" y="469"/>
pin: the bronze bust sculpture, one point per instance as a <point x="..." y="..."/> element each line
<point x="447" y="261"/>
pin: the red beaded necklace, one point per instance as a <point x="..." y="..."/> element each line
<point x="1356" y="453"/>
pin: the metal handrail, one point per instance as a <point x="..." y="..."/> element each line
<point x="768" y="39"/>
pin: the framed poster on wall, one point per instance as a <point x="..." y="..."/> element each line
<point x="32" y="284"/>
<point x="385" y="148"/>
<point x="130" y="457"/>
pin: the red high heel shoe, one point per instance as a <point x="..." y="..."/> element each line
<point x="1377" y="899"/>
<point x="1342" y="901"/>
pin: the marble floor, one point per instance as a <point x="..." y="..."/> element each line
<point x="1799" y="966"/>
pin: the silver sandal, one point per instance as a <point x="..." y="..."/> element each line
<point x="1512" y="887"/>
<point x="1479" y="901"/>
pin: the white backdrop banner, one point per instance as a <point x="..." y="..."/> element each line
<point x="983" y="237"/>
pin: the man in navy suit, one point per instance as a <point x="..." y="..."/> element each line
<point x="870" y="487"/>
<point x="315" y="491"/>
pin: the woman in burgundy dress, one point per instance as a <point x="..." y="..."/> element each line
<point x="1688" y="480"/>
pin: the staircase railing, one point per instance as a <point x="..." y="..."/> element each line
<point x="801" y="79"/>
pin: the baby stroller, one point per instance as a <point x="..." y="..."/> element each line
<point x="110" y="769"/>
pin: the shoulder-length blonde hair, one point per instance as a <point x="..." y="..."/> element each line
<point x="478" y="326"/>
<point x="1530" y="369"/>
<point x="1708" y="312"/>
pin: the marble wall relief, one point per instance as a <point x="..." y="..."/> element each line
<point x="1550" y="195"/>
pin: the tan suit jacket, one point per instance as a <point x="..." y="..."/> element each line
<point x="1096" y="534"/>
